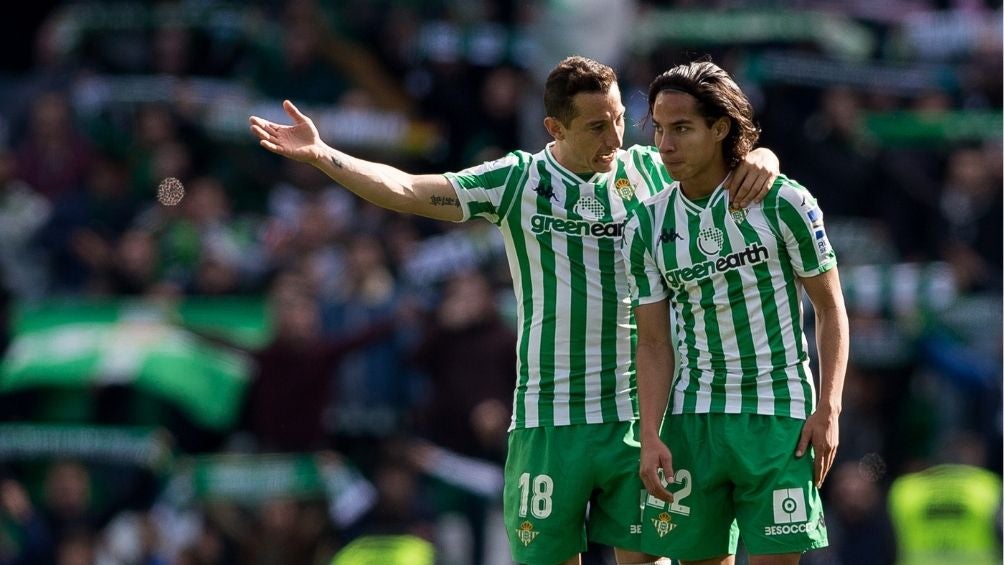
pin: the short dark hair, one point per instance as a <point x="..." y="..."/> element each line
<point x="573" y="75"/>
<point x="717" y="96"/>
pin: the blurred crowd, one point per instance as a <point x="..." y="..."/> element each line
<point x="392" y="347"/>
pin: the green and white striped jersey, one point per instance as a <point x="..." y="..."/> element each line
<point x="732" y="280"/>
<point x="562" y="237"/>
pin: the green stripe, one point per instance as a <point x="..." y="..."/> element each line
<point x="519" y="244"/>
<point x="579" y="306"/>
<point x="514" y="187"/>
<point x="770" y="313"/>
<point x="740" y="316"/>
<point x="550" y="290"/>
<point x="639" y="246"/>
<point x="607" y="254"/>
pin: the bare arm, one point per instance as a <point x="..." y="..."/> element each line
<point x="655" y="371"/>
<point x="822" y="427"/>
<point x="431" y="196"/>
<point x="751" y="180"/>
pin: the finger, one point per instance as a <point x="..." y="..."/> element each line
<point x="270" y="146"/>
<point x="735" y="186"/>
<point x="294" y="112"/>
<point x="824" y="468"/>
<point x="263" y="124"/>
<point x="653" y="484"/>
<point x="803" y="442"/>
<point x="817" y="472"/>
<point x="760" y="186"/>
<point x="261" y="133"/>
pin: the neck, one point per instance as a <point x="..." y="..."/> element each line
<point x="555" y="149"/>
<point x="705" y="182"/>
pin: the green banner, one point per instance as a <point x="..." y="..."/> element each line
<point x="254" y="478"/>
<point x="144" y="447"/>
<point x="835" y="33"/>
<point x="137" y="344"/>
<point x="933" y="128"/>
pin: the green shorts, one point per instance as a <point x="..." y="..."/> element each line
<point x="735" y="474"/>
<point x="554" y="474"/>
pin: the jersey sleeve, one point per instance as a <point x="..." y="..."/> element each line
<point x="800" y="221"/>
<point x="644" y="276"/>
<point x="485" y="190"/>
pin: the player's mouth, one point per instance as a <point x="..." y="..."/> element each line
<point x="606" y="158"/>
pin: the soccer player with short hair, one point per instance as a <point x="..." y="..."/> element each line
<point x="561" y="211"/>
<point x="742" y="407"/>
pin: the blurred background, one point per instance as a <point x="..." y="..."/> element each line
<point x="273" y="371"/>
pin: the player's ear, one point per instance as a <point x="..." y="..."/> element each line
<point x="721" y="128"/>
<point x="555" y="128"/>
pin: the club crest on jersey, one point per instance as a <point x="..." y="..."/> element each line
<point x="624" y="189"/>
<point x="663" y="524"/>
<point x="710" y="241"/>
<point x="738" y="215"/>
<point x="525" y="533"/>
<point x="590" y="209"/>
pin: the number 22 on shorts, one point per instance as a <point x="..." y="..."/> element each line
<point x="535" y="495"/>
<point x="681" y="477"/>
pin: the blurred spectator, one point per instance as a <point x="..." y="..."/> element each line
<point x="23" y="211"/>
<point x="399" y="529"/>
<point x="55" y="156"/>
<point x="836" y="161"/>
<point x="374" y="386"/>
<point x="468" y="338"/>
<point x="291" y="388"/>
<point x="82" y="233"/>
<point x="949" y="512"/>
<point x="26" y="538"/>
<point x="970" y="220"/>
<point x="857" y="521"/>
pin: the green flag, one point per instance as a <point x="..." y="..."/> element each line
<point x="126" y="343"/>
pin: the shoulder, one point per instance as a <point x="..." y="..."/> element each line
<point x="514" y="159"/>
<point x="644" y="155"/>
<point x="787" y="192"/>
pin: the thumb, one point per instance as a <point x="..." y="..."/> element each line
<point x="803" y="441"/>
<point x="293" y="112"/>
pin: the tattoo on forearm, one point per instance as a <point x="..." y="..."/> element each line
<point x="444" y="201"/>
<point x="336" y="162"/>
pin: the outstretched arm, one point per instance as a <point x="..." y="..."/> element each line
<point x="431" y="196"/>
<point x="822" y="427"/>
<point x="655" y="370"/>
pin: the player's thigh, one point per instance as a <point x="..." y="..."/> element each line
<point x="546" y="494"/>
<point x="778" y="507"/>
<point x="615" y="511"/>
<point x="700" y="522"/>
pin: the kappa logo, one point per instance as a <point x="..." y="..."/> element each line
<point x="667" y="236"/>
<point x="545" y="190"/>
<point x="526" y="534"/>
<point x="663" y="524"/>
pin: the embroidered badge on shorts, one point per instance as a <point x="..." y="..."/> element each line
<point x="663" y="524"/>
<point x="525" y="533"/>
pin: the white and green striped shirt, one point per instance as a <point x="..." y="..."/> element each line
<point x="562" y="235"/>
<point x="732" y="280"/>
